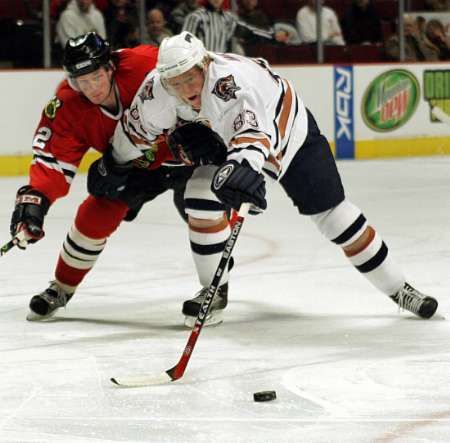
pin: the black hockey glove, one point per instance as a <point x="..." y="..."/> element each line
<point x="28" y="215"/>
<point x="236" y="183"/>
<point x="196" y="144"/>
<point x="106" y="178"/>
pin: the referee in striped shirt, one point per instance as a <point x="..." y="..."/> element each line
<point x="216" y="27"/>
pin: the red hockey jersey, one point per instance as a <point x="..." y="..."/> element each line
<point x="71" y="124"/>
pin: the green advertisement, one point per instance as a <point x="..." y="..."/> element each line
<point x="436" y="91"/>
<point x="390" y="100"/>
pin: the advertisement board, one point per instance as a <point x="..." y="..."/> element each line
<point x="344" y="134"/>
<point x="397" y="108"/>
<point x="365" y="111"/>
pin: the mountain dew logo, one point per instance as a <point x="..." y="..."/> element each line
<point x="390" y="100"/>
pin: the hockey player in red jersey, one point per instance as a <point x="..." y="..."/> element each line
<point x="87" y="106"/>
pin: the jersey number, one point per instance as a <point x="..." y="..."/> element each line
<point x="246" y="116"/>
<point x="42" y="137"/>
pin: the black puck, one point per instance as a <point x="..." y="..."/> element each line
<point x="264" y="396"/>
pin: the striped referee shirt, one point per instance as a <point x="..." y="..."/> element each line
<point x="216" y="28"/>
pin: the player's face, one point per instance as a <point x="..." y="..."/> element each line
<point x="96" y="86"/>
<point x="188" y="86"/>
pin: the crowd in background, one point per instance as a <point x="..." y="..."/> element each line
<point x="243" y="26"/>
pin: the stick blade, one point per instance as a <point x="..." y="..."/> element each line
<point x="142" y="381"/>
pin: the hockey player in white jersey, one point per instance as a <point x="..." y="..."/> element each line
<point x="263" y="125"/>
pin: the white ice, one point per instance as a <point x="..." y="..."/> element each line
<point x="346" y="365"/>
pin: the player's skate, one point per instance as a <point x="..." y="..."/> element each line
<point x="45" y="304"/>
<point x="191" y="307"/>
<point x="414" y="301"/>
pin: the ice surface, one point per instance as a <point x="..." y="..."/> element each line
<point x="346" y="365"/>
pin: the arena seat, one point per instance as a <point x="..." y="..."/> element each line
<point x="417" y="5"/>
<point x="366" y="53"/>
<point x="16" y="8"/>
<point x="336" y="54"/>
<point x="303" y="54"/>
<point x="387" y="9"/>
<point x="339" y="6"/>
<point x="267" y="51"/>
<point x="276" y="10"/>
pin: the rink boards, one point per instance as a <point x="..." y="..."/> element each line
<point x="366" y="111"/>
<point x="378" y="110"/>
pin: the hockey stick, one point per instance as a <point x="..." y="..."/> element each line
<point x="177" y="371"/>
<point x="13" y="242"/>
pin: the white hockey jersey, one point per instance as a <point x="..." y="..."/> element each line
<point x="256" y="112"/>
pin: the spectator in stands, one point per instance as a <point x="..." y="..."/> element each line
<point x="156" y="27"/>
<point x="306" y="24"/>
<point x="361" y="23"/>
<point x="79" y="17"/>
<point x="251" y="13"/>
<point x="32" y="10"/>
<point x="121" y="24"/>
<point x="438" y="5"/>
<point x="57" y="7"/>
<point x="436" y="34"/>
<point x="102" y="5"/>
<point x="421" y="23"/>
<point x="180" y="12"/>
<point x="126" y="34"/>
<point x="417" y="47"/>
<point x="166" y="6"/>
<point x="217" y="28"/>
<point x="130" y="35"/>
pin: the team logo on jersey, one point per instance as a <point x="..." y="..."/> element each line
<point x="51" y="107"/>
<point x="225" y="88"/>
<point x="222" y="176"/>
<point x="147" y="91"/>
<point x="149" y="154"/>
<point x="148" y="157"/>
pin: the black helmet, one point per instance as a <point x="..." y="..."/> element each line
<point x="85" y="53"/>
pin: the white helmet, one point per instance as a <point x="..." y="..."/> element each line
<point x="180" y="53"/>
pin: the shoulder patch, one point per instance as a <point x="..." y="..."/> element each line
<point x="225" y="88"/>
<point x="147" y="91"/>
<point x="148" y="157"/>
<point x="51" y="107"/>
